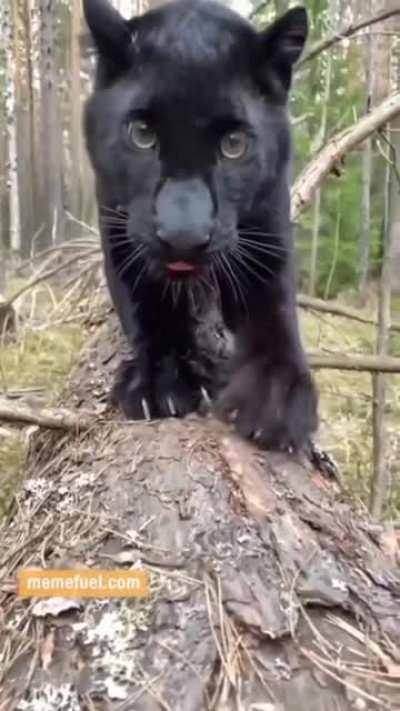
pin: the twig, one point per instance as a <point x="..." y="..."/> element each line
<point x="49" y="418"/>
<point x="333" y="153"/>
<point x="85" y="225"/>
<point x="346" y="32"/>
<point x="259" y="8"/>
<point x="51" y="273"/>
<point x="335" y="309"/>
<point x="70" y="245"/>
<point x="362" y="363"/>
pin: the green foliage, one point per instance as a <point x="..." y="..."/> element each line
<point x="339" y="231"/>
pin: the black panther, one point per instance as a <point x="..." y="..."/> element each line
<point x="188" y="134"/>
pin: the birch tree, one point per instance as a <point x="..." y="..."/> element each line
<point x="51" y="135"/>
<point x="11" y="91"/>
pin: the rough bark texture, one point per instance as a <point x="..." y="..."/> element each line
<point x="270" y="591"/>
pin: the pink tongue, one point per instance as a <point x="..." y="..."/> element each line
<point x="180" y="267"/>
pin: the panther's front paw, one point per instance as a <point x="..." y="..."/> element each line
<point x="180" y="387"/>
<point x="132" y="392"/>
<point x="173" y="388"/>
<point x="273" y="404"/>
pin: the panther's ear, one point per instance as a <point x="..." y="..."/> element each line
<point x="282" y="43"/>
<point x="110" y="31"/>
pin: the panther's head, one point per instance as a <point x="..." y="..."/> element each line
<point x="187" y="129"/>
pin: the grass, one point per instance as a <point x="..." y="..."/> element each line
<point x="346" y="406"/>
<point x="40" y="359"/>
<point x="37" y="361"/>
<point x="12" y="458"/>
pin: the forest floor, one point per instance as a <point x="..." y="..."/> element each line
<point x="37" y="363"/>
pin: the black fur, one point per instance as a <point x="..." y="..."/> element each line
<point x="194" y="72"/>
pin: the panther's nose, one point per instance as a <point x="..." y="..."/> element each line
<point x="182" y="244"/>
<point x="184" y="216"/>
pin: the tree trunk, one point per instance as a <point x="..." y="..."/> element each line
<point x="76" y="187"/>
<point x="4" y="213"/>
<point x="318" y="143"/>
<point x="394" y="202"/>
<point x="270" y="591"/>
<point x="367" y="163"/>
<point x="51" y="133"/>
<point x="9" y="35"/>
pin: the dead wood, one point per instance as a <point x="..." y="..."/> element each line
<point x="270" y="589"/>
<point x="46" y="417"/>
<point x="335" y="309"/>
<point x="330" y="157"/>
<point x="362" y="363"/>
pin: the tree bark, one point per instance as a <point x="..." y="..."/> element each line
<point x="9" y="32"/>
<point x="77" y="151"/>
<point x="367" y="164"/>
<point x="270" y="591"/>
<point x="51" y="133"/>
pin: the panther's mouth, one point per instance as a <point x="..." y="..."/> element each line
<point x="181" y="267"/>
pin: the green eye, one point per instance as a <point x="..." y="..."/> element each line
<point x="234" y="145"/>
<point x="142" y="135"/>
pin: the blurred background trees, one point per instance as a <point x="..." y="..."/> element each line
<point x="45" y="180"/>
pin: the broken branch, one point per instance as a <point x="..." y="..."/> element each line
<point x="337" y="148"/>
<point x="362" y="363"/>
<point x="48" y="418"/>
<point x="334" y="309"/>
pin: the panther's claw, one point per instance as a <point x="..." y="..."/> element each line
<point x="171" y="406"/>
<point x="146" y="409"/>
<point x="206" y="396"/>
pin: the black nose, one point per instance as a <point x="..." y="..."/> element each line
<point x="183" y="244"/>
<point x="185" y="215"/>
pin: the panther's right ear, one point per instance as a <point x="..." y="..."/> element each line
<point x="111" y="33"/>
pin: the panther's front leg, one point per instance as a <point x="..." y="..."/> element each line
<point x="271" y="395"/>
<point x="166" y="376"/>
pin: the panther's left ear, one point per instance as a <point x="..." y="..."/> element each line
<point x="281" y="45"/>
<point x="111" y="33"/>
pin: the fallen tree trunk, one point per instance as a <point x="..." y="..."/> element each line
<point x="270" y="590"/>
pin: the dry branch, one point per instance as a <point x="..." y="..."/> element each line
<point x="346" y="32"/>
<point x="335" y="309"/>
<point x="362" y="363"/>
<point x="48" y="418"/>
<point x="332" y="154"/>
<point x="53" y="272"/>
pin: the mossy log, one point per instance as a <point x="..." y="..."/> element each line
<point x="270" y="589"/>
